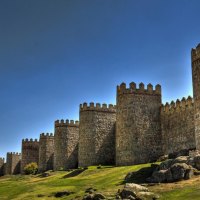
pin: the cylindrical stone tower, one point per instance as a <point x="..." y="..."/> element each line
<point x="30" y="152"/>
<point x="138" y="125"/>
<point x="46" y="152"/>
<point x="66" y="144"/>
<point x="195" y="57"/>
<point x="97" y="134"/>
<point x="13" y="161"/>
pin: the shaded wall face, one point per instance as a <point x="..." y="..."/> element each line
<point x="60" y="143"/>
<point x="46" y="153"/>
<point x="4" y="168"/>
<point x="86" y="152"/>
<point x="138" y="128"/>
<point x="178" y="129"/>
<point x="97" y="138"/>
<point x="1" y="167"/>
<point x="16" y="164"/>
<point x="8" y="169"/>
<point x="105" y="138"/>
<point x="195" y="59"/>
<point x="13" y="163"/>
<point x="66" y="147"/>
<point x="30" y="153"/>
<point x="71" y="159"/>
<point x="196" y="92"/>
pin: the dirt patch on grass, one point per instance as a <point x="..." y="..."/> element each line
<point x="176" y="185"/>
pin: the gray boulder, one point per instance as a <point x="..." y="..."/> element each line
<point x="190" y="161"/>
<point x="136" y="187"/>
<point x="178" y="171"/>
<point x="98" y="196"/>
<point x="169" y="177"/>
<point x="189" y="173"/>
<point x="158" y="176"/>
<point x="197" y="162"/>
<point x="147" y="195"/>
<point x="166" y="164"/>
<point x="181" y="159"/>
<point x="88" y="197"/>
<point x="125" y="193"/>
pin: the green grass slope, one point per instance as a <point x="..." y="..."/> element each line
<point x="106" y="180"/>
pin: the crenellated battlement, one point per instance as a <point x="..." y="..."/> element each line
<point x="29" y="140"/>
<point x="30" y="152"/>
<point x="46" y="135"/>
<point x="2" y="159"/>
<point x="14" y="153"/>
<point x="133" y="89"/>
<point x="195" y="54"/>
<point x="62" y="122"/>
<point x="97" y="107"/>
<point x="178" y="106"/>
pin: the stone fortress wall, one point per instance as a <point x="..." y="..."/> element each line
<point x="178" y="130"/>
<point x="30" y="152"/>
<point x="195" y="57"/>
<point x="138" y="129"/>
<point x="66" y="144"/>
<point x="2" y="163"/>
<point x="13" y="161"/>
<point x="138" y="125"/>
<point x="97" y="134"/>
<point x="46" y="152"/>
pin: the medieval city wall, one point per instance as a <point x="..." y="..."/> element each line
<point x="195" y="57"/>
<point x="178" y="128"/>
<point x="4" y="169"/>
<point x="66" y="144"/>
<point x="46" y="152"/>
<point x="138" y="125"/>
<point x="2" y="160"/>
<point x="30" y="152"/>
<point x="97" y="134"/>
<point x="13" y="161"/>
<point x="139" y="129"/>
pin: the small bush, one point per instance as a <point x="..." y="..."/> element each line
<point x="61" y="169"/>
<point x="31" y="168"/>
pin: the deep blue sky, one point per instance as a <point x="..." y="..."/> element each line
<point x="57" y="54"/>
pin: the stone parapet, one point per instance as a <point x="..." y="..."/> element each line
<point x="178" y="106"/>
<point x="62" y="123"/>
<point x="97" y="107"/>
<point x="132" y="89"/>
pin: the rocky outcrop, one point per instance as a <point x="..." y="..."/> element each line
<point x="91" y="194"/>
<point x="183" y="167"/>
<point x="97" y="196"/>
<point x="134" y="191"/>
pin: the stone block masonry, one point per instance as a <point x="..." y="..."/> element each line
<point x="2" y="160"/>
<point x="30" y="152"/>
<point x="46" y="152"/>
<point x="178" y="129"/>
<point x="97" y="134"/>
<point x="13" y="161"/>
<point x="66" y="144"/>
<point x="138" y="125"/>
<point x="195" y="57"/>
<point x="139" y="129"/>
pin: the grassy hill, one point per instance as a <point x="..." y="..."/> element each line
<point x="106" y="180"/>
